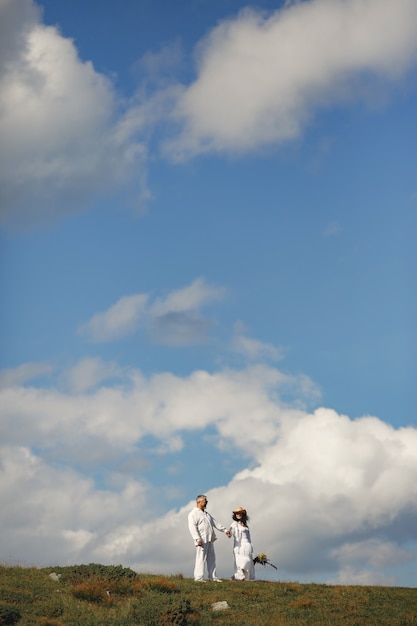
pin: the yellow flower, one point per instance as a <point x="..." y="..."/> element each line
<point x="262" y="559"/>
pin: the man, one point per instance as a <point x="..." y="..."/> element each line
<point x="201" y="525"/>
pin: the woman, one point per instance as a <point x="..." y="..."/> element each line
<point x="242" y="546"/>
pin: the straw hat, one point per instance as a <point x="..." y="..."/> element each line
<point x="239" y="510"/>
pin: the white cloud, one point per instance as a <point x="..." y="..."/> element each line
<point x="253" y="349"/>
<point x="174" y="320"/>
<point x="52" y="515"/>
<point x="17" y="19"/>
<point x="88" y="373"/>
<point x="190" y="298"/>
<point x="330" y="498"/>
<point x="262" y="77"/>
<point x="119" y="320"/>
<point x="161" y="66"/>
<point x="161" y="406"/>
<point x="349" y="576"/>
<point x="374" y="552"/>
<point x="23" y="373"/>
<point x="64" y="138"/>
<point x="180" y="329"/>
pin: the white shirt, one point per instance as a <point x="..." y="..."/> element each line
<point x="201" y="526"/>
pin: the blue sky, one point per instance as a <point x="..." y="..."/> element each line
<point x="208" y="219"/>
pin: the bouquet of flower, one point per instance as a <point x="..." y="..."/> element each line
<point x="262" y="559"/>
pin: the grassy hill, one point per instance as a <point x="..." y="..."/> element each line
<point x="98" y="595"/>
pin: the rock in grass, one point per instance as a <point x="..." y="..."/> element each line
<point x="220" y="606"/>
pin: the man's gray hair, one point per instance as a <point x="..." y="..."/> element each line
<point x="201" y="497"/>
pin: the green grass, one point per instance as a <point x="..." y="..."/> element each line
<point x="98" y="595"/>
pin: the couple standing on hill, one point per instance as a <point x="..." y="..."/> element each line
<point x="201" y="525"/>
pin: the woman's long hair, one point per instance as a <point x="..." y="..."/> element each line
<point x="243" y="520"/>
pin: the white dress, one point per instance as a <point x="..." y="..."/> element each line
<point x="242" y="552"/>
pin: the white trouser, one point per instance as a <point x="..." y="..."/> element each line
<point x="205" y="554"/>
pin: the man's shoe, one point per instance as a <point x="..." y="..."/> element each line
<point x="217" y="580"/>
<point x="199" y="580"/>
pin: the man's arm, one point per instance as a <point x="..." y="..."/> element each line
<point x="219" y="526"/>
